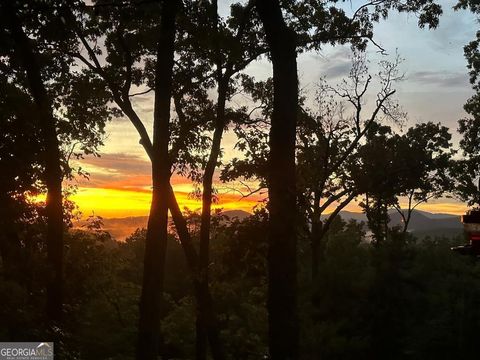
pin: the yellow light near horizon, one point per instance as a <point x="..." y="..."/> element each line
<point x="123" y="203"/>
<point x="111" y="203"/>
<point x="435" y="207"/>
<point x="447" y="208"/>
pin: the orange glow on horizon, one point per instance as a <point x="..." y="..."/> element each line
<point x="123" y="203"/>
<point x="135" y="201"/>
<point x="111" y="203"/>
<point x="120" y="186"/>
<point x="435" y="207"/>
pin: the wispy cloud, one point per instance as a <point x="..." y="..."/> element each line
<point x="440" y="78"/>
<point x="120" y="185"/>
<point x="120" y="171"/>
<point x="337" y="63"/>
<point x="455" y="30"/>
<point x="120" y="163"/>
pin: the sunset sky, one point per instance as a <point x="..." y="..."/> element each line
<point x="435" y="88"/>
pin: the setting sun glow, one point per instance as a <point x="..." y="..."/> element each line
<point x="111" y="203"/>
<point x="123" y="203"/>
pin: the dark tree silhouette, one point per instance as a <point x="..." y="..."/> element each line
<point x="28" y="58"/>
<point x="231" y="49"/>
<point x="328" y="141"/>
<point x="414" y="166"/>
<point x="424" y="161"/>
<point x="156" y="238"/>
<point x="20" y="169"/>
<point x="131" y="51"/>
<point x="468" y="168"/>
<point x="282" y="262"/>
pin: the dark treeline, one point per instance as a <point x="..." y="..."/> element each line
<point x="402" y="299"/>
<point x="292" y="281"/>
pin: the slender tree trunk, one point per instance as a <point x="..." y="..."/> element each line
<point x="149" y="334"/>
<point x="202" y="290"/>
<point x="10" y="245"/>
<point x="201" y="336"/>
<point x="204" y="257"/>
<point x="51" y="156"/>
<point x="407" y="220"/>
<point x="282" y="265"/>
<point x="201" y="331"/>
<point x="202" y="296"/>
<point x="315" y="244"/>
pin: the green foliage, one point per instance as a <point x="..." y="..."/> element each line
<point x="416" y="166"/>
<point x="239" y="285"/>
<point x="332" y="305"/>
<point x="467" y="168"/>
<point x="400" y="298"/>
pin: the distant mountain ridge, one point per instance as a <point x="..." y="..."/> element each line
<point x="421" y="223"/>
<point x="121" y="228"/>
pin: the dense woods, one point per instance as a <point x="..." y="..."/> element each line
<point x="292" y="280"/>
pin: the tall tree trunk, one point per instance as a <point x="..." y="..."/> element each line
<point x="149" y="334"/>
<point x="320" y="229"/>
<point x="282" y="265"/>
<point x="315" y="246"/>
<point x="51" y="156"/>
<point x="204" y="257"/>
<point x="10" y="245"/>
<point x="202" y="290"/>
<point x="207" y="193"/>
<point x="202" y="296"/>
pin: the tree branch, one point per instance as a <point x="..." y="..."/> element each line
<point x="326" y="225"/>
<point x="141" y="93"/>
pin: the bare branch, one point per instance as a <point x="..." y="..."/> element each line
<point x="247" y="194"/>
<point x="128" y="63"/>
<point x="141" y="93"/>
<point x="333" y="215"/>
<point x="332" y="199"/>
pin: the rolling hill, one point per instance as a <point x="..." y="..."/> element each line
<point x="422" y="223"/>
<point x="121" y="228"/>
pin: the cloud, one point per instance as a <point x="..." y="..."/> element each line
<point x="120" y="171"/>
<point x="144" y="103"/>
<point x="455" y="30"/>
<point x="120" y="185"/>
<point x="117" y="171"/>
<point x="444" y="105"/>
<point x="337" y="63"/>
<point x="440" y="78"/>
<point x="338" y="70"/>
<point x="120" y="163"/>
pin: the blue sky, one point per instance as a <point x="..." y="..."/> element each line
<point x="436" y="85"/>
<point x="436" y="82"/>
